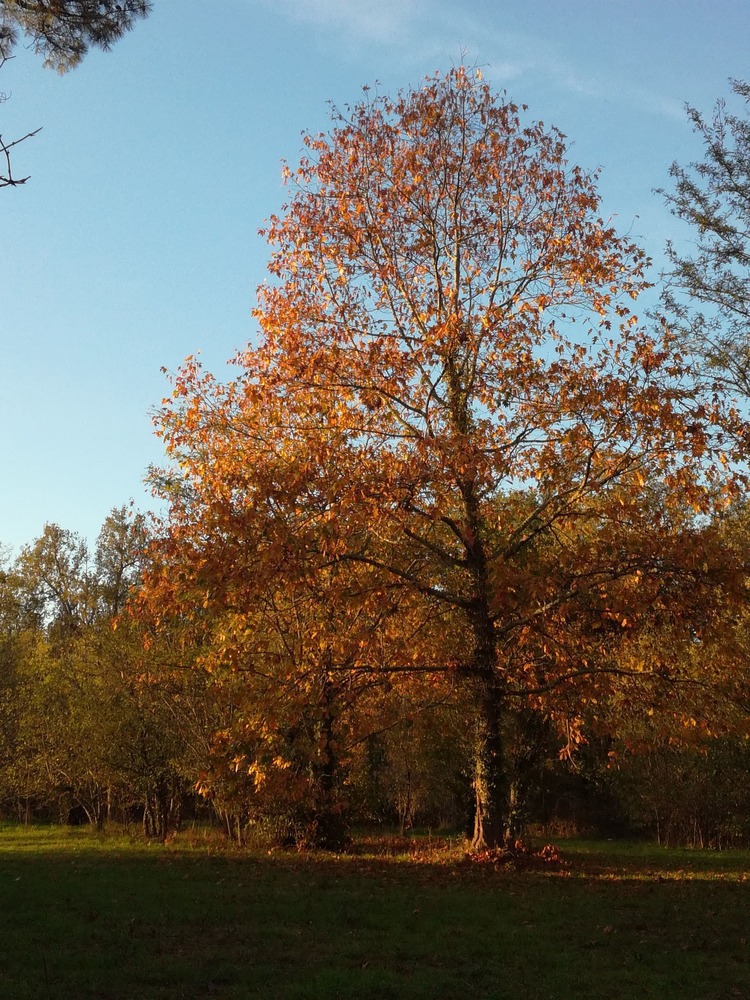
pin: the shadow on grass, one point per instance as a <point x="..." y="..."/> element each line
<point x="111" y="918"/>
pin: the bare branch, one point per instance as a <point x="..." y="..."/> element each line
<point x="7" y="179"/>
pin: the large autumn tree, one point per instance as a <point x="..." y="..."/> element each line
<point x="452" y="423"/>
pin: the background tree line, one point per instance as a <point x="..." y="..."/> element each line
<point x="96" y="728"/>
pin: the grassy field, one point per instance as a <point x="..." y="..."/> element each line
<point x="85" y="916"/>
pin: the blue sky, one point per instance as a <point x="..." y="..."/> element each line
<point x="135" y="241"/>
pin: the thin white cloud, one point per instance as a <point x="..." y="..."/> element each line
<point x="361" y="20"/>
<point x="440" y="32"/>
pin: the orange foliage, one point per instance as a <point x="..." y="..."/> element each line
<point x="454" y="448"/>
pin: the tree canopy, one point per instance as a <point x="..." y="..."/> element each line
<point x="454" y="431"/>
<point x="708" y="292"/>
<point x="64" y="30"/>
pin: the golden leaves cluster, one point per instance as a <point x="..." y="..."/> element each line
<point x="453" y="433"/>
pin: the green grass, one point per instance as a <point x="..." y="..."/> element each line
<point x="109" y="917"/>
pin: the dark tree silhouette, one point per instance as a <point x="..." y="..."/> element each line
<point x="708" y="292"/>
<point x="64" y="30"/>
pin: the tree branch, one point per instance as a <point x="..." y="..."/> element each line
<point x="7" y="179"/>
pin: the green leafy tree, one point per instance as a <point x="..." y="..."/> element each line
<point x="63" y="30"/>
<point x="57" y="580"/>
<point x="708" y="292"/>
<point x="82" y="725"/>
<point x="18" y="625"/>
<point x="119" y="558"/>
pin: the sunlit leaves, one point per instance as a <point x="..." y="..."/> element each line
<point x="454" y="445"/>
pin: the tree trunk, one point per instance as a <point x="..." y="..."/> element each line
<point x="149" y="825"/>
<point x="529" y="746"/>
<point x="490" y="792"/>
<point x="490" y="771"/>
<point x="514" y="822"/>
<point x="329" y="828"/>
